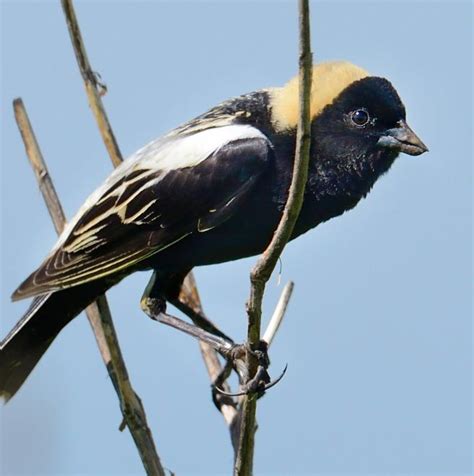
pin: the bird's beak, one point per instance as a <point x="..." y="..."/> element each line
<point x="403" y="139"/>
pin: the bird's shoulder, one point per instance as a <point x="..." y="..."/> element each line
<point x="251" y="109"/>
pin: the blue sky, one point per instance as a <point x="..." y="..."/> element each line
<point x="378" y="336"/>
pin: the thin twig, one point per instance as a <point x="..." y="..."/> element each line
<point x="278" y="313"/>
<point x="93" y="87"/>
<point x="189" y="295"/>
<point x="98" y="313"/>
<point x="266" y="264"/>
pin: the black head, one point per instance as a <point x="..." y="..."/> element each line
<point x="358" y="127"/>
<point x="356" y="138"/>
<point x="369" y="116"/>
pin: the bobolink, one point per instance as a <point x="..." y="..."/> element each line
<point x="210" y="191"/>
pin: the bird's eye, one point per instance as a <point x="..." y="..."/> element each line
<point x="360" y="117"/>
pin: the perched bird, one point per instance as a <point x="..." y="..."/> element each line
<point x="210" y="191"/>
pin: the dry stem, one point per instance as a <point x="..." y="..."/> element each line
<point x="190" y="296"/>
<point x="91" y="83"/>
<point x="266" y="264"/>
<point x="98" y="313"/>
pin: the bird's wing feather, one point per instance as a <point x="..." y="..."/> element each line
<point x="168" y="190"/>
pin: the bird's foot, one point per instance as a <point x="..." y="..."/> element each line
<point x="238" y="357"/>
<point x="250" y="363"/>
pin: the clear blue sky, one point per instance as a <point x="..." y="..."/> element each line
<point x="378" y="335"/>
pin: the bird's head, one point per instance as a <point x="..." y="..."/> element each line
<point x="358" y="121"/>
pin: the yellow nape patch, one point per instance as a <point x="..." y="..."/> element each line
<point x="329" y="80"/>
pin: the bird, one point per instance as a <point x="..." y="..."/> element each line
<point x="210" y="191"/>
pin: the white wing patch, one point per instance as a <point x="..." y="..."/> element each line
<point x="174" y="151"/>
<point x="190" y="150"/>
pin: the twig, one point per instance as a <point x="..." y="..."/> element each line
<point x="228" y="407"/>
<point x="278" y="313"/>
<point x="93" y="87"/>
<point x="189" y="295"/>
<point x="98" y="313"/>
<point x="266" y="264"/>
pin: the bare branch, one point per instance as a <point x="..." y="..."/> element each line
<point x="39" y="167"/>
<point x="189" y="296"/>
<point x="266" y="264"/>
<point x="98" y="313"/>
<point x="93" y="87"/>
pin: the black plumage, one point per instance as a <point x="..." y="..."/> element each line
<point x="211" y="191"/>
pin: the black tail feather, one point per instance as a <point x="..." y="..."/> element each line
<point x="26" y="343"/>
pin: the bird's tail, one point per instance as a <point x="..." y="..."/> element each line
<point x="26" y="343"/>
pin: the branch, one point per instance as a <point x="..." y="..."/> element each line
<point x="266" y="264"/>
<point x="189" y="295"/>
<point x="98" y="313"/>
<point x="94" y="88"/>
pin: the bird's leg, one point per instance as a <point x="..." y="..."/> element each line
<point x="236" y="358"/>
<point x="168" y="289"/>
<point x="198" y="318"/>
<point x="153" y="303"/>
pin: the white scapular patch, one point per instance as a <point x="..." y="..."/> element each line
<point x="172" y="152"/>
<point x="190" y="150"/>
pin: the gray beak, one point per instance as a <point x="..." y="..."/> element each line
<point x="403" y="139"/>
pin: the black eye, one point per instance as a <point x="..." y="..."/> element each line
<point x="360" y="117"/>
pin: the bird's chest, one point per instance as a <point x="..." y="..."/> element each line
<point x="317" y="210"/>
<point x="327" y="197"/>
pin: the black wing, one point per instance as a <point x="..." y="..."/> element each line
<point x="151" y="206"/>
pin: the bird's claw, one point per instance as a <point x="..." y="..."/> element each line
<point x="258" y="385"/>
<point x="260" y="382"/>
